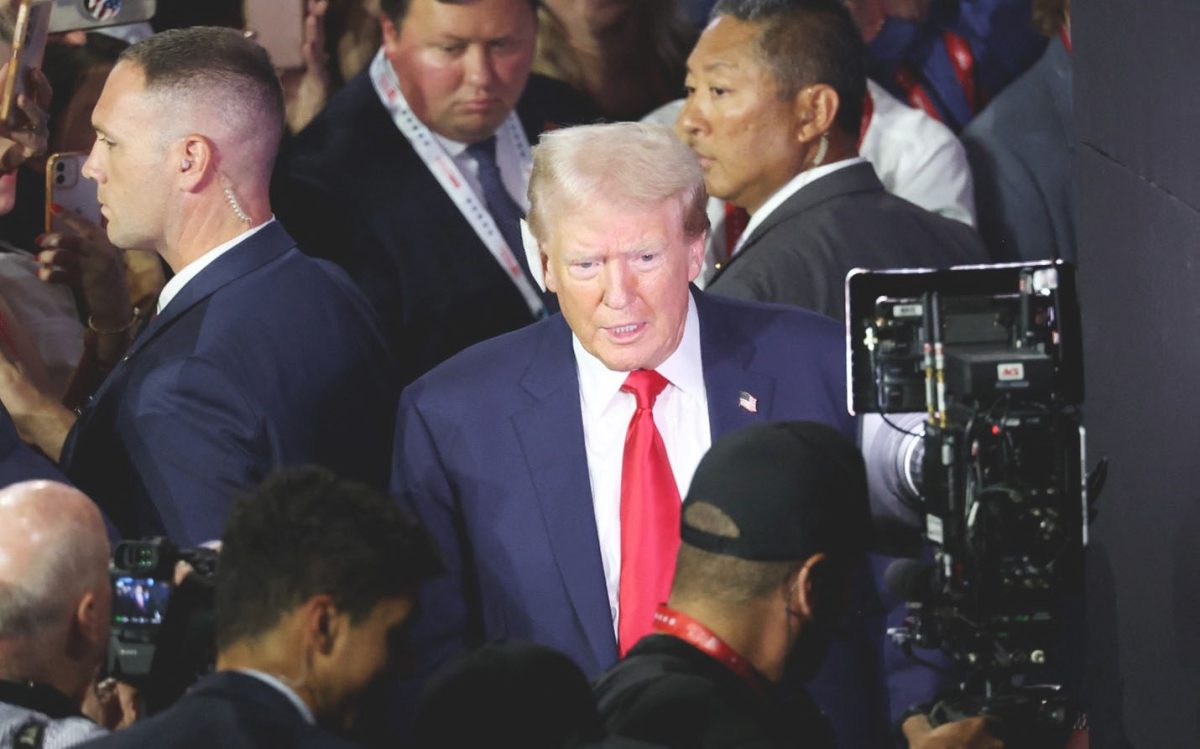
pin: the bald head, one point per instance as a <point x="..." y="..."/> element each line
<point x="53" y="570"/>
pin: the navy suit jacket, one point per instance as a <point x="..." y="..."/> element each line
<point x="490" y="454"/>
<point x="266" y="358"/>
<point x="352" y="189"/>
<point x="228" y="710"/>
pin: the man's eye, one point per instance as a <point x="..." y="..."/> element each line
<point x="718" y="90"/>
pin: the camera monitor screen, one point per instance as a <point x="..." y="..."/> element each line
<point x="140" y="600"/>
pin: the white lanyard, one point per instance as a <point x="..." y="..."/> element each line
<point x="448" y="175"/>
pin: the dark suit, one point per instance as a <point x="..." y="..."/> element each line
<point x="1021" y="149"/>
<point x="266" y="358"/>
<point x="800" y="253"/>
<point x="490" y="453"/>
<point x="229" y="710"/>
<point x="17" y="461"/>
<point x="352" y="189"/>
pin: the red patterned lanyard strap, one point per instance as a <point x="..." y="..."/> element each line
<point x="668" y="621"/>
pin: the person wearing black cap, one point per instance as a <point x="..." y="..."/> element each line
<point x="773" y="528"/>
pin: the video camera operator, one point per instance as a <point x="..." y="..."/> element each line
<point x="54" y="613"/>
<point x="315" y="580"/>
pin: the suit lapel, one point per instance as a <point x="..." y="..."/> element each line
<point x="854" y="178"/>
<point x="738" y="396"/>
<point x="264" y="246"/>
<point x="269" y="243"/>
<point x="551" y="436"/>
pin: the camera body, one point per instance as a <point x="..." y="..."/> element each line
<point x="143" y="584"/>
<point x="991" y="356"/>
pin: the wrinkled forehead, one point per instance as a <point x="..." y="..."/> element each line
<point x="616" y="222"/>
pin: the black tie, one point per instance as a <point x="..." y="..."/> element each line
<point x="505" y="211"/>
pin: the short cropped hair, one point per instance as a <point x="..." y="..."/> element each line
<point x="720" y="578"/>
<point x="805" y="42"/>
<point x="304" y="532"/>
<point x="634" y="164"/>
<point x="397" y="10"/>
<point x="206" y="62"/>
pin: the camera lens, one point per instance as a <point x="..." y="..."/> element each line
<point x="60" y="179"/>
<point x="60" y="166"/>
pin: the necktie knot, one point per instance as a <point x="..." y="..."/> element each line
<point x="645" y="385"/>
<point x="484" y="151"/>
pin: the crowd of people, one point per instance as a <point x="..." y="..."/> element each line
<point x="500" y="347"/>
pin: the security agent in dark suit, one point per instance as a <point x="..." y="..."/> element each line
<point x="414" y="177"/>
<point x="316" y="579"/>
<point x="773" y="110"/>
<point x="259" y="356"/>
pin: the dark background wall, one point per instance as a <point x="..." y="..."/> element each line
<point x="1137" y="114"/>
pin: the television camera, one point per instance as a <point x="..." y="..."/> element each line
<point x="991" y="357"/>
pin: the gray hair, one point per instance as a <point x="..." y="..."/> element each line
<point x="625" y="163"/>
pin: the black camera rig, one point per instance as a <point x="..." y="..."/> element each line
<point x="991" y="355"/>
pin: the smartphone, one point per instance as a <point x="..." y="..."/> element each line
<point x="76" y="15"/>
<point x="66" y="186"/>
<point x="278" y="25"/>
<point x="29" y="43"/>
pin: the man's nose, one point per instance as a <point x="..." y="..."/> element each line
<point x="620" y="285"/>
<point x="479" y="67"/>
<point x="690" y="120"/>
<point x="89" y="166"/>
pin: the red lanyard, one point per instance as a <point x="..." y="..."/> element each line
<point x="670" y="622"/>
<point x="962" y="59"/>
<point x="1066" y="37"/>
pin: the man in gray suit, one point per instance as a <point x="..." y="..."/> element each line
<point x="773" y="111"/>
<point x="1021" y="148"/>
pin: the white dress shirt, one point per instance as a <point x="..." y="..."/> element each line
<point x="680" y="413"/>
<point x="192" y="269"/>
<point x="516" y="181"/>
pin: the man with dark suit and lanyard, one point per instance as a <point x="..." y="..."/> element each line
<point x="414" y="176"/>
<point x="773" y="111"/>
<point x="549" y="463"/>
<point x="259" y="356"/>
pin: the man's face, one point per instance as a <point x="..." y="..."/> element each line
<point x="129" y="161"/>
<point x="744" y="134"/>
<point x="622" y="280"/>
<point x="462" y="66"/>
<point x="360" y="655"/>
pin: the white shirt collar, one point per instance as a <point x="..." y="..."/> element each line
<point x="274" y="681"/>
<point x="791" y="188"/>
<point x="598" y="384"/>
<point x="192" y="269"/>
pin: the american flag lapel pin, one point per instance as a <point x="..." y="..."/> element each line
<point x="748" y="402"/>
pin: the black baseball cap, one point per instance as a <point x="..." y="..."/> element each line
<point x="793" y="489"/>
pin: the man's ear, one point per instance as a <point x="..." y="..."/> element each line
<point x="391" y="34"/>
<point x="195" y="158"/>
<point x="695" y="249"/>
<point x="89" y="626"/>
<point x="810" y="590"/>
<point x="816" y="108"/>
<point x="321" y="623"/>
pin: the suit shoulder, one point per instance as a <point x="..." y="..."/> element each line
<point x="499" y="361"/>
<point x="769" y="321"/>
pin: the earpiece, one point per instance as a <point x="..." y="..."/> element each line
<point x="185" y="165"/>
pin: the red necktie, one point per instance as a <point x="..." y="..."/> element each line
<point x="649" y="515"/>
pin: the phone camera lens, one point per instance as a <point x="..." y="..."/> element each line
<point x="60" y="179"/>
<point x="60" y="166"/>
